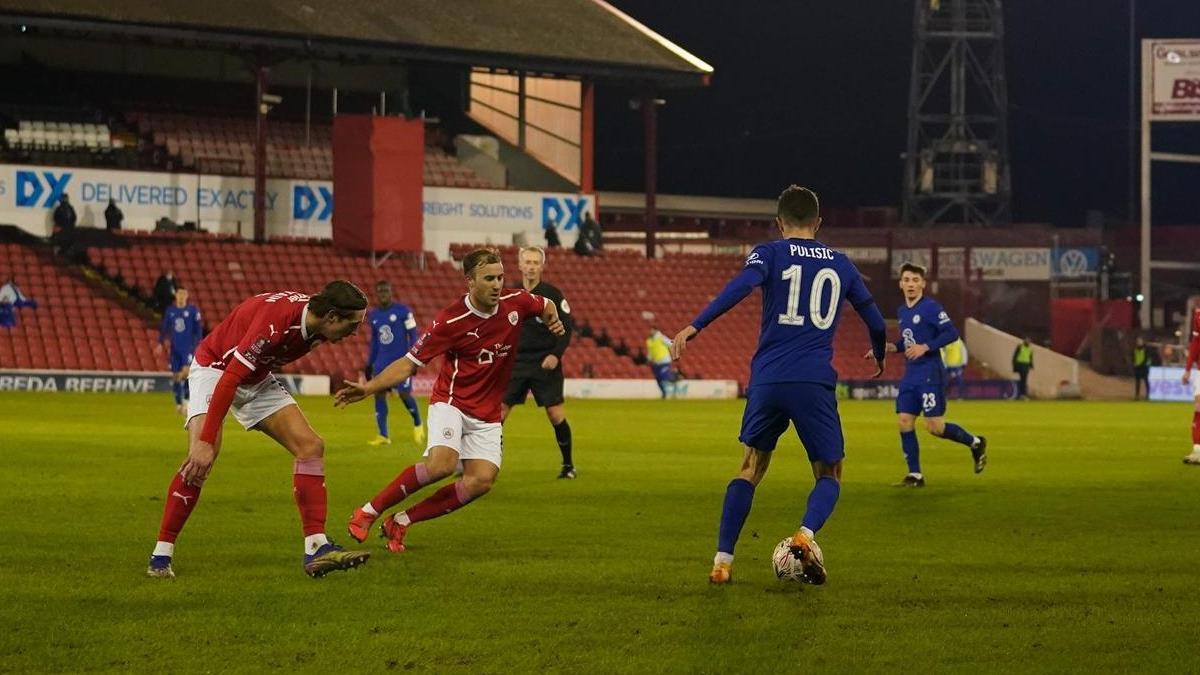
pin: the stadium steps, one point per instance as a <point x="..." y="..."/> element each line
<point x="221" y="272"/>
<point x="76" y="326"/>
<point x="1097" y="387"/>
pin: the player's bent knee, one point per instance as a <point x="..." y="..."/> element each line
<point x="311" y="448"/>
<point x="828" y="470"/>
<point x="438" y="467"/>
<point x="753" y="476"/>
<point x="754" y="465"/>
<point x="478" y="486"/>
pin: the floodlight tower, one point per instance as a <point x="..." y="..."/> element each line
<point x="956" y="166"/>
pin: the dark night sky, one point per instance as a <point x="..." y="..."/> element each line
<point x="816" y="92"/>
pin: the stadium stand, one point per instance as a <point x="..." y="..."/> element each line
<point x="226" y="145"/>
<point x="621" y="294"/>
<point x="62" y="332"/>
<point x="53" y="135"/>
<point x="220" y="272"/>
<point x="615" y="299"/>
<point x="210" y="142"/>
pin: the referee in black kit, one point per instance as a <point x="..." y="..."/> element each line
<point x="539" y="357"/>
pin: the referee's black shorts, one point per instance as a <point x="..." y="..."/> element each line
<point x="546" y="385"/>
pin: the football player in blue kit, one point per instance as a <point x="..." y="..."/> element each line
<point x="792" y="378"/>
<point x="924" y="329"/>
<point x="181" y="325"/>
<point x="393" y="333"/>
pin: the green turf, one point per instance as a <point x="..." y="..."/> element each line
<point x="1076" y="550"/>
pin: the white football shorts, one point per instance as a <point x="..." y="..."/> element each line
<point x="251" y="404"/>
<point x="469" y="437"/>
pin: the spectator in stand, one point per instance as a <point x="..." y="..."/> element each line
<point x="1022" y="363"/>
<point x="164" y="291"/>
<point x="113" y="216"/>
<point x="12" y="299"/>
<point x="64" y="225"/>
<point x="552" y="240"/>
<point x="583" y="244"/>
<point x="1141" y="368"/>
<point x="594" y="235"/>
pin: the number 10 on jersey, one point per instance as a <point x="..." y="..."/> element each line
<point x="825" y="277"/>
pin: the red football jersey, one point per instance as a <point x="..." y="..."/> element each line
<point x="480" y="350"/>
<point x="1193" y="356"/>
<point x="265" y="332"/>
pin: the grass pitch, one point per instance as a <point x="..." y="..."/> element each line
<point x="1075" y="550"/>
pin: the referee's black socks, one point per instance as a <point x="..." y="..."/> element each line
<point x="562" y="433"/>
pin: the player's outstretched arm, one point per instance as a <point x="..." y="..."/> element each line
<point x="869" y="312"/>
<point x="734" y="292"/>
<point x="202" y="453"/>
<point x="396" y="372"/>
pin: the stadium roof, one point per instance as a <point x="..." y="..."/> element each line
<point x="563" y="37"/>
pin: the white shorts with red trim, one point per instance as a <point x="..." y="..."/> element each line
<point x="469" y="437"/>
<point x="251" y="404"/>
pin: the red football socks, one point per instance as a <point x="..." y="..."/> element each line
<point x="449" y="498"/>
<point x="408" y="482"/>
<point x="181" y="499"/>
<point x="308" y="486"/>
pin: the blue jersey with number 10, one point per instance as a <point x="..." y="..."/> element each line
<point x="803" y="285"/>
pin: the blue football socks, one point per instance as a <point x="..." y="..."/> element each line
<point x="381" y="411"/>
<point x="413" y="409"/>
<point x="821" y="500"/>
<point x="912" y="450"/>
<point x="738" y="497"/>
<point x="958" y="435"/>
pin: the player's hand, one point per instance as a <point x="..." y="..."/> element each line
<point x="878" y="367"/>
<point x="550" y="362"/>
<point x="199" y="462"/>
<point x="555" y="325"/>
<point x="1187" y="376"/>
<point x="915" y="351"/>
<point x="680" y="342"/>
<point x="353" y="392"/>
<point x="889" y="348"/>
<point x="870" y="356"/>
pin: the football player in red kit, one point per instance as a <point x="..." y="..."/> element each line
<point x="1193" y="358"/>
<point x="231" y="370"/>
<point x="477" y="335"/>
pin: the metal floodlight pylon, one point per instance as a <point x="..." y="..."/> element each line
<point x="956" y="166"/>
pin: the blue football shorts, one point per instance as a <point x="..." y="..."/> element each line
<point x="809" y="406"/>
